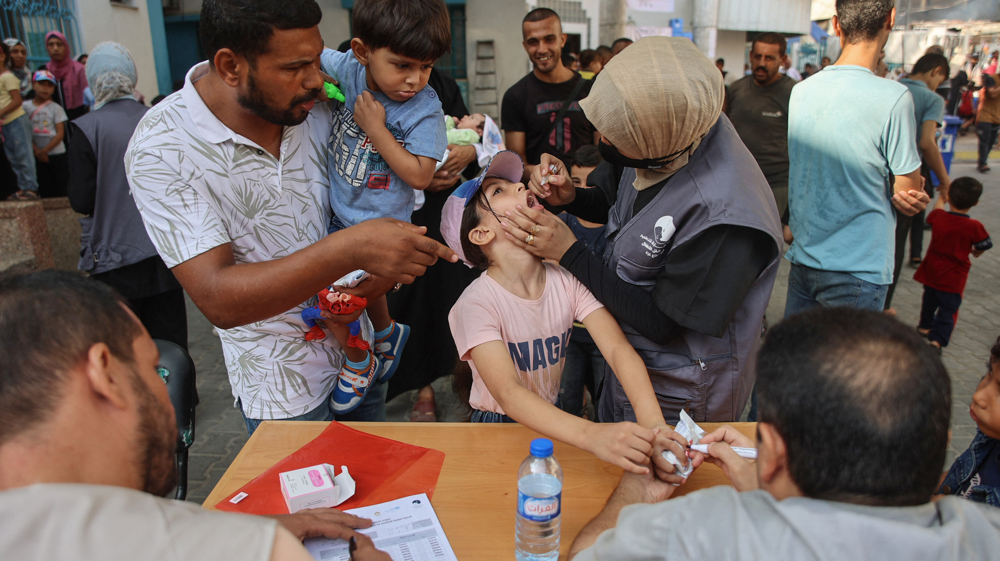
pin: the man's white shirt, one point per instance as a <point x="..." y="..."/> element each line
<point x="199" y="185"/>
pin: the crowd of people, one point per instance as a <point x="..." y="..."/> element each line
<point x="599" y="269"/>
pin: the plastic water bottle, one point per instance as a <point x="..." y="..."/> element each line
<point x="539" y="504"/>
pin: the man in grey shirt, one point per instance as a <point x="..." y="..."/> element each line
<point x="853" y="432"/>
<point x="758" y="108"/>
<point x="87" y="438"/>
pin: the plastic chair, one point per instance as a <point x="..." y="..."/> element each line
<point x="177" y="370"/>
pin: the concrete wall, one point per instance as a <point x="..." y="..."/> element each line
<point x="731" y="46"/>
<point x="336" y="24"/>
<point x="101" y="21"/>
<point x="682" y="9"/>
<point x="499" y="21"/>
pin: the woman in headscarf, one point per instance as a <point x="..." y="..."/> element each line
<point x="693" y="232"/>
<point x="115" y="248"/>
<point x="19" y="64"/>
<point x="71" y="74"/>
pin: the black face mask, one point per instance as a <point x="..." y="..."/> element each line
<point x="612" y="155"/>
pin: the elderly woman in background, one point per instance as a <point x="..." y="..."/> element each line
<point x="71" y="74"/>
<point x="693" y="232"/>
<point x="115" y="248"/>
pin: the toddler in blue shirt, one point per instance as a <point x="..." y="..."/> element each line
<point x="387" y="137"/>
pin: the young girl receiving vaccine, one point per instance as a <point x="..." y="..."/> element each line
<point x="512" y="326"/>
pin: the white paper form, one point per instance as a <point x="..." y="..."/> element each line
<point x="407" y="529"/>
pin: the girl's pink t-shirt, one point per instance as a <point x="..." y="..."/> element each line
<point x="535" y="332"/>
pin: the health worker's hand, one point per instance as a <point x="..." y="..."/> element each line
<point x="627" y="445"/>
<point x="369" y="114"/>
<point x="556" y="187"/>
<point x="667" y="439"/>
<point x="740" y="471"/>
<point x="550" y="237"/>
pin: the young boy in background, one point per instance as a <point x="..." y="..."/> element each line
<point x="387" y="138"/>
<point x="48" y="131"/>
<point x="946" y="268"/>
<point x="975" y="474"/>
<point x="584" y="361"/>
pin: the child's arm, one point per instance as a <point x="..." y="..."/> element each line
<point x="15" y="103"/>
<point x="415" y="171"/>
<point x="632" y="373"/>
<point x="60" y="134"/>
<point x="624" y="444"/>
<point x="941" y="200"/>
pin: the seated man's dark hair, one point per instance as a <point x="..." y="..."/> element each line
<point x="586" y="156"/>
<point x="928" y="63"/>
<point x="862" y="20"/>
<point x="540" y="14"/>
<point x="964" y="192"/>
<point x="605" y="52"/>
<point x="246" y="26"/>
<point x="721" y="61"/>
<point x="862" y="402"/>
<point x="771" y="38"/>
<point x="625" y="40"/>
<point x="418" y="29"/>
<point x="48" y="322"/>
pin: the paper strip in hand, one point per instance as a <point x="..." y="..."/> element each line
<point x="690" y="430"/>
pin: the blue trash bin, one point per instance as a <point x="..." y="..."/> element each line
<point x="946" y="143"/>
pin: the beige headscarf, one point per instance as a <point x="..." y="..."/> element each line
<point x="655" y="98"/>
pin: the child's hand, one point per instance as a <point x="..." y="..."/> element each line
<point x="667" y="439"/>
<point x="369" y="113"/>
<point x="41" y="156"/>
<point x="626" y="445"/>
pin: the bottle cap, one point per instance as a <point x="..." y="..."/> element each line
<point x="541" y="447"/>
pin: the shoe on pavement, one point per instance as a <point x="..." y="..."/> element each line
<point x="353" y="384"/>
<point x="389" y="348"/>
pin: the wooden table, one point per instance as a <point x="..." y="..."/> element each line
<point x="476" y="494"/>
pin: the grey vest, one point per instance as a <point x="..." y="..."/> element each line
<point x="711" y="377"/>
<point x="114" y="236"/>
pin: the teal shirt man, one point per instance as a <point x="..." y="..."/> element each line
<point x="849" y="133"/>
<point x="927" y="105"/>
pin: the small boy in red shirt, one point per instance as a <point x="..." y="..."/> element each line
<point x="946" y="268"/>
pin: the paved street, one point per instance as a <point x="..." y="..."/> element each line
<point x="221" y="433"/>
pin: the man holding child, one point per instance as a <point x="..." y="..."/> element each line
<point x="230" y="177"/>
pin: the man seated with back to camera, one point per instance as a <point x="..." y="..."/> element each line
<point x="87" y="439"/>
<point x="853" y="433"/>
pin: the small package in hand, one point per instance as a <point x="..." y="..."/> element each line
<point x="690" y="430"/>
<point x="316" y="487"/>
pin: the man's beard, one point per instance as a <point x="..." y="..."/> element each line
<point x="767" y="79"/>
<point x="255" y="102"/>
<point x="157" y="442"/>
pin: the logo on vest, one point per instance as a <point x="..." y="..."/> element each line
<point x="662" y="232"/>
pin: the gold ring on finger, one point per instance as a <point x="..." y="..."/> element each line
<point x="530" y="240"/>
<point x="535" y="229"/>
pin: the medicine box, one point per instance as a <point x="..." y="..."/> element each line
<point x="311" y="487"/>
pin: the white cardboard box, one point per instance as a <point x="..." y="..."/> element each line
<point x="316" y="487"/>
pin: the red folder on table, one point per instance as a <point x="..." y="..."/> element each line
<point x="383" y="469"/>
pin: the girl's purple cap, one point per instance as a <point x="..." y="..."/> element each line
<point x="505" y="165"/>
